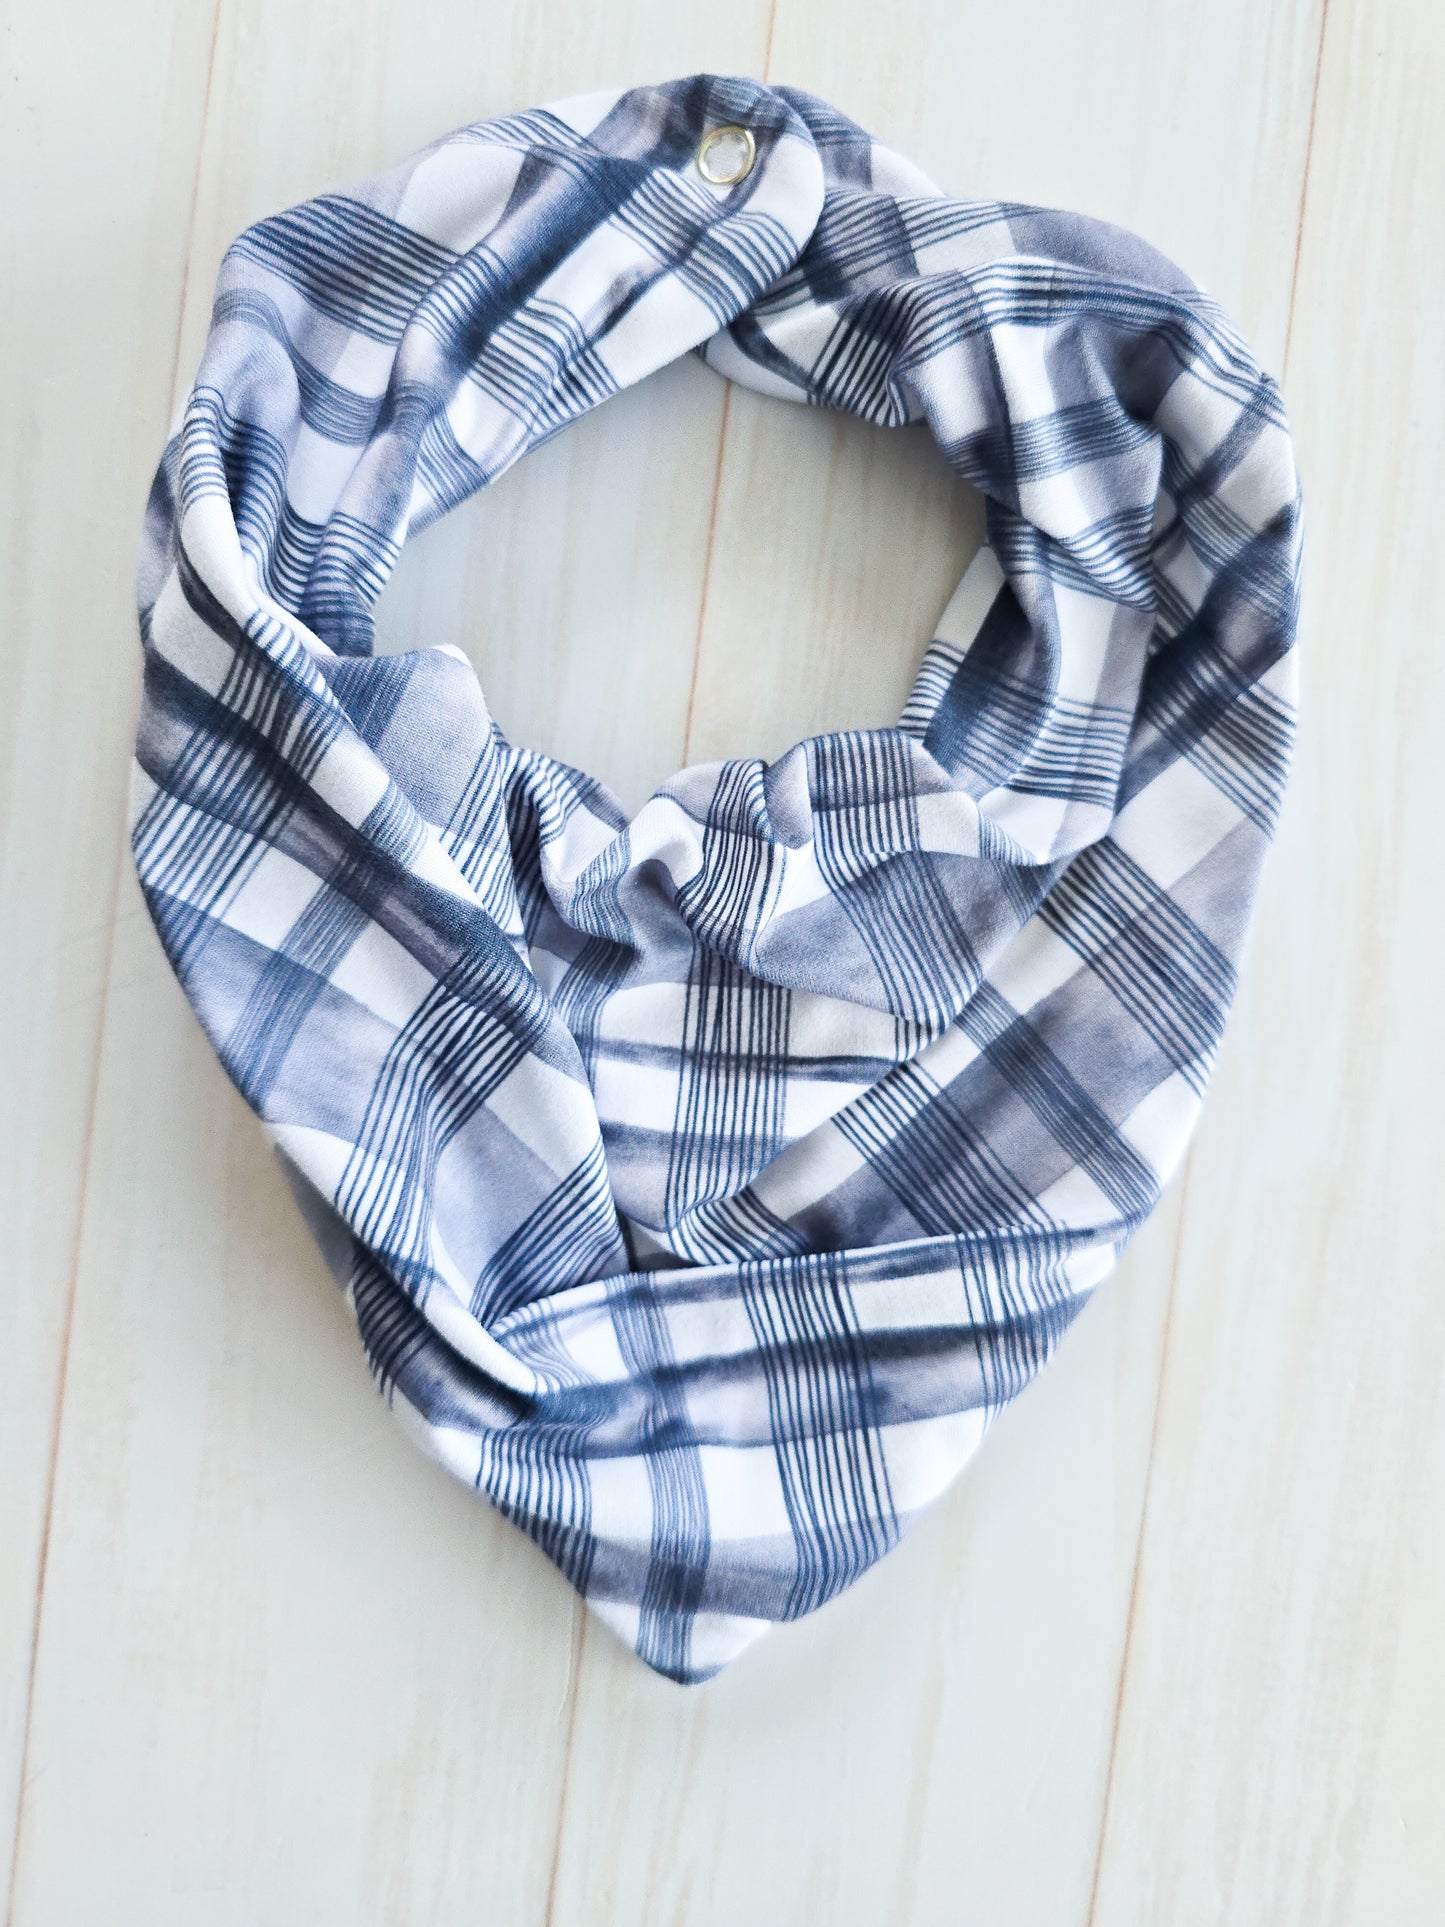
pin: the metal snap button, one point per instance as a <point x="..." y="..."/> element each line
<point x="725" y="155"/>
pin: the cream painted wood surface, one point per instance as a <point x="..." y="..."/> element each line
<point x="100" y="123"/>
<point x="1170" y="1651"/>
<point x="1292" y="1573"/>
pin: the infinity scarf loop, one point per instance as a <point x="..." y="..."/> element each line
<point x="704" y="1183"/>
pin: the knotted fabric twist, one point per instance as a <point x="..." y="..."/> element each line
<point x="703" y="1184"/>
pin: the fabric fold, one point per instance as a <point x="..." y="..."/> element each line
<point x="704" y="1182"/>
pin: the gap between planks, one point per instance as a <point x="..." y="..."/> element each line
<point x="1131" y="1616"/>
<point x="57" y="1413"/>
<point x="580" y="1648"/>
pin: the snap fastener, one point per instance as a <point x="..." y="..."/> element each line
<point x="725" y="155"/>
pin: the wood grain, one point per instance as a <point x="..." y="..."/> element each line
<point x="896" y="1758"/>
<point x="904" y="1747"/>
<point x="286" y="1670"/>
<point x="259" y="1692"/>
<point x="98" y="140"/>
<point x="1280" y="1757"/>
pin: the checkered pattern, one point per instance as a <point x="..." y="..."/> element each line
<point x="704" y="1183"/>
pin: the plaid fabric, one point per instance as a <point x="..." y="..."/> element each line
<point x="703" y="1184"/>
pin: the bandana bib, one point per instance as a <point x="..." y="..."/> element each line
<point x="704" y="1183"/>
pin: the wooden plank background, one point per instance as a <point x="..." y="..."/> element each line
<point x="1170" y="1652"/>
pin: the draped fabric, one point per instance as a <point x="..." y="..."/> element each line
<point x="704" y="1183"/>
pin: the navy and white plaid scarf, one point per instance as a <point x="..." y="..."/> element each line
<point x="704" y="1183"/>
